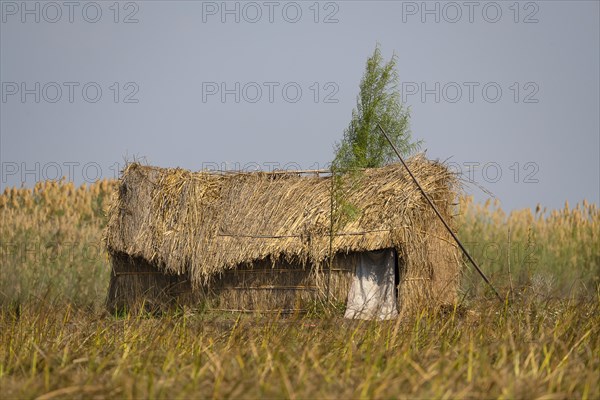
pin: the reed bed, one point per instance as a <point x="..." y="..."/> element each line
<point x="57" y="341"/>
<point x="50" y="242"/>
<point x="552" y="252"/>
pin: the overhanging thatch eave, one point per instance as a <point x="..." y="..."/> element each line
<point x="203" y="223"/>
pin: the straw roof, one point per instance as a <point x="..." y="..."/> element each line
<point x="203" y="223"/>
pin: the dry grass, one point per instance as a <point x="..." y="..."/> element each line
<point x="204" y="223"/>
<point x="552" y="253"/>
<point x="201" y="224"/>
<point x="528" y="351"/>
<point x="56" y="340"/>
<point x="50" y="242"/>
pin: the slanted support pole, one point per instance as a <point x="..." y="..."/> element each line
<point x="466" y="253"/>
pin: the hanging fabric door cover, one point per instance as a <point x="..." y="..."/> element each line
<point x="372" y="294"/>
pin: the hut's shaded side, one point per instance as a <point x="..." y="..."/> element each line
<point x="213" y="229"/>
<point x="137" y="284"/>
<point x="280" y="287"/>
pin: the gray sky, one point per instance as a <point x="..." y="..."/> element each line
<point x="509" y="92"/>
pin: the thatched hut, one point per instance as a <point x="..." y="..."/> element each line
<point x="283" y="241"/>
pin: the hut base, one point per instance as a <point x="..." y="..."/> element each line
<point x="262" y="286"/>
<point x="136" y="284"/>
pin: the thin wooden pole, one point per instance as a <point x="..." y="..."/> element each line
<point x="508" y="251"/>
<point x="331" y="229"/>
<point x="464" y="250"/>
<point x="357" y="233"/>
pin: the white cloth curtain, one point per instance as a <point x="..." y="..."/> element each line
<point x="373" y="293"/>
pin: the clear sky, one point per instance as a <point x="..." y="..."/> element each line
<point x="508" y="92"/>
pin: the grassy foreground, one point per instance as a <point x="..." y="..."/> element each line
<point x="56" y="341"/>
<point x="545" y="350"/>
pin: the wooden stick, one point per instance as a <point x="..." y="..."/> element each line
<point x="274" y="172"/>
<point x="298" y="236"/>
<point x="271" y="288"/>
<point x="331" y="229"/>
<point x="285" y="311"/>
<point x="275" y="270"/>
<point x="139" y="273"/>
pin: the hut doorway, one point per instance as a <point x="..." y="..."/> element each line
<point x="373" y="291"/>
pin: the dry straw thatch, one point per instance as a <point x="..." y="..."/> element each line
<point x="206" y="230"/>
